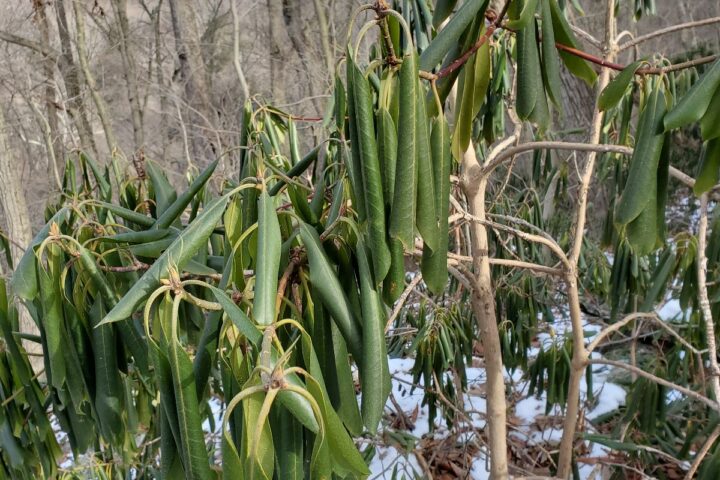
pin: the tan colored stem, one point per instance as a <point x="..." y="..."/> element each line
<point x="703" y="297"/>
<point x="665" y="31"/>
<point x="81" y="46"/>
<point x="580" y="354"/>
<point x="483" y="303"/>
<point x="701" y="454"/>
<point x="236" y="50"/>
<point x="660" y="381"/>
<point x="403" y="298"/>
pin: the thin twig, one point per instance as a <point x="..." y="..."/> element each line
<point x="701" y="454"/>
<point x="665" y="31"/>
<point x="505" y="155"/>
<point x="703" y="296"/>
<point x="642" y="373"/>
<point x="17" y="392"/>
<point x="403" y="298"/>
<point x="460" y="61"/>
<point x="641" y="71"/>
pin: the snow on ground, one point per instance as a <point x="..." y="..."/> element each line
<point x="529" y="410"/>
<point x="529" y="422"/>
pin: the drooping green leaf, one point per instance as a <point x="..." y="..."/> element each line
<point x="550" y="57"/>
<point x="443" y="9"/>
<point x="192" y="439"/>
<point x="387" y="152"/>
<point x="641" y="183"/>
<point x="262" y="466"/>
<point x="372" y="178"/>
<point x="354" y="163"/>
<point x="710" y="122"/>
<point x="693" y="105"/>
<point x="374" y="367"/>
<point x="524" y="17"/>
<point x="473" y="85"/>
<point x="176" y="256"/>
<point x="324" y="279"/>
<point x="529" y="75"/>
<point x="24" y="282"/>
<point x="614" y="92"/>
<point x="449" y="35"/>
<point x="402" y="217"/>
<point x="238" y="317"/>
<point x="173" y="211"/>
<point x="564" y="35"/>
<point x="426" y="215"/>
<point x="268" y="261"/>
<point x="708" y="173"/>
<point x="297" y="169"/>
<point x="434" y="263"/>
<point x="165" y="194"/>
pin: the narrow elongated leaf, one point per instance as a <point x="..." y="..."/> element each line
<point x="346" y="459"/>
<point x="564" y="35"/>
<point x="372" y="178"/>
<point x="434" y="263"/>
<point x="614" y="92"/>
<point x="395" y="280"/>
<point x="289" y="446"/>
<point x="641" y="184"/>
<point x="710" y="122"/>
<point x="708" y="168"/>
<point x="268" y="261"/>
<point x="129" y="215"/>
<point x="173" y="211"/>
<point x="529" y="75"/>
<point x="550" y="57"/>
<point x="374" y="371"/>
<point x="324" y="279"/>
<point x="24" y="282"/>
<point x="340" y="104"/>
<point x="449" y="36"/>
<point x="165" y="194"/>
<point x="693" y="105"/>
<point x="53" y="321"/>
<point x="297" y="169"/>
<point x="102" y="182"/>
<point x="192" y="439"/>
<point x="109" y="389"/>
<point x="443" y="9"/>
<point x="177" y="256"/>
<point x="473" y="85"/>
<point x="660" y="278"/>
<point x="354" y="163"/>
<point x="402" y="218"/>
<point x="642" y="230"/>
<point x="262" y="466"/>
<point x="238" y="317"/>
<point x="524" y="17"/>
<point x="137" y="237"/>
<point x="347" y="405"/>
<point x="663" y="177"/>
<point x="426" y="215"/>
<point x="387" y="153"/>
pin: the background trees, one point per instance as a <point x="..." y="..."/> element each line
<point x="255" y="280"/>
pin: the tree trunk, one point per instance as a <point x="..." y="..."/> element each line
<point x="17" y="216"/>
<point x="133" y="92"/>
<point x="191" y="71"/>
<point x="483" y="303"/>
<point x="74" y="103"/>
<point x="55" y="143"/>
